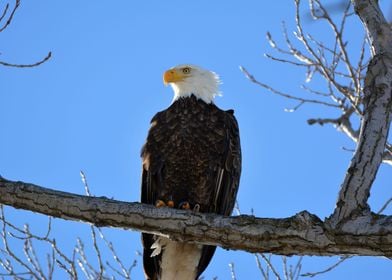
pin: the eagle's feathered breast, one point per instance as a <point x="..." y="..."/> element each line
<point x="192" y="154"/>
<point x="185" y="147"/>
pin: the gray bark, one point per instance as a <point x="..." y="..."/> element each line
<point x="302" y="234"/>
<point x="375" y="123"/>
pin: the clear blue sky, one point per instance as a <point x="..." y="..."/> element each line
<point x="89" y="108"/>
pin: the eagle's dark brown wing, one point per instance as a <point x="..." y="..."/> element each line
<point x="151" y="182"/>
<point x="227" y="181"/>
<point x="166" y="165"/>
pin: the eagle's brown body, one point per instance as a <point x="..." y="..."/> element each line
<point x="192" y="154"/>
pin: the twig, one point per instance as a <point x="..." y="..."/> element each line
<point x="315" y="91"/>
<point x="126" y="273"/>
<point x="323" y="69"/>
<point x="8" y="249"/>
<point x="384" y="206"/>
<point x="260" y="267"/>
<point x="295" y="108"/>
<point x="267" y="55"/>
<point x="84" y="180"/>
<point x="253" y="79"/>
<point x="297" y="270"/>
<point x="270" y="266"/>
<point x="232" y="271"/>
<point x="98" y="253"/>
<point x="50" y="262"/>
<point x="9" y="20"/>
<point x="285" y="270"/>
<point x="4" y="12"/>
<point x="27" y="65"/>
<point x="348" y="149"/>
<point x="83" y="263"/>
<point x="313" y="274"/>
<point x="31" y="256"/>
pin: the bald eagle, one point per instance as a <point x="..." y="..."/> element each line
<point x="191" y="160"/>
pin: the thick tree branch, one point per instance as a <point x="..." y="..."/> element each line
<point x="376" y="118"/>
<point x="302" y="234"/>
<point x="377" y="27"/>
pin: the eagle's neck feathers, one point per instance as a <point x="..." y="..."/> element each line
<point x="204" y="86"/>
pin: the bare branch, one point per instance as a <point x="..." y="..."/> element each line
<point x="126" y="273"/>
<point x="295" y="108"/>
<point x="6" y="24"/>
<point x="98" y="253"/>
<point x="270" y="266"/>
<point x="342" y="123"/>
<point x="31" y="256"/>
<point x="9" y="252"/>
<point x="285" y="269"/>
<point x="315" y="91"/>
<point x="339" y="39"/>
<point x="297" y="270"/>
<point x="232" y="271"/>
<point x="384" y="206"/>
<point x="287" y="61"/>
<point x="9" y="20"/>
<point x="27" y="65"/>
<point x="88" y="270"/>
<point x="303" y="100"/>
<point x="260" y="267"/>
<point x="4" y="11"/>
<point x="313" y="274"/>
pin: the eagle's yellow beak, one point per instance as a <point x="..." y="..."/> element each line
<point x="173" y="76"/>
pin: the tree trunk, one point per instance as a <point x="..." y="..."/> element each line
<point x="354" y="193"/>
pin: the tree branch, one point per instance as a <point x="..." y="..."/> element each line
<point x="343" y="123"/>
<point x="11" y="16"/>
<point x="6" y="24"/>
<point x="46" y="58"/>
<point x="376" y="119"/>
<point x="302" y="100"/>
<point x="302" y="234"/>
<point x="377" y="27"/>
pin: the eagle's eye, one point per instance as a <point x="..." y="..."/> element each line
<point x="186" y="70"/>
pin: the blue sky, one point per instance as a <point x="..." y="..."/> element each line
<point x="89" y="108"/>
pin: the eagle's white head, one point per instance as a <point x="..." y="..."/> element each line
<point x="187" y="79"/>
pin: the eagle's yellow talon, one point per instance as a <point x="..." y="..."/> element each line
<point x="160" y="203"/>
<point x="184" y="205"/>
<point x="170" y="203"/>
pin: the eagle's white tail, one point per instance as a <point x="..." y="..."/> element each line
<point x="179" y="260"/>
